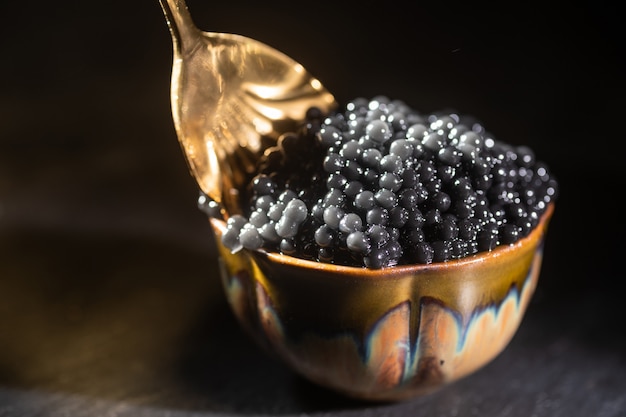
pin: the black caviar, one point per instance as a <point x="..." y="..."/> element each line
<point x="379" y="184"/>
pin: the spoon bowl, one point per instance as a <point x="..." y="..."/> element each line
<point x="231" y="97"/>
<point x="376" y="334"/>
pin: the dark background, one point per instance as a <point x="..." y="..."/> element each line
<point x="109" y="299"/>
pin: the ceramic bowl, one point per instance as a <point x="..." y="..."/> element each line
<point x="386" y="334"/>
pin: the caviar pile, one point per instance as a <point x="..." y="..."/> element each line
<point x="379" y="184"/>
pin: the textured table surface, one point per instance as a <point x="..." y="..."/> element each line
<point x="110" y="303"/>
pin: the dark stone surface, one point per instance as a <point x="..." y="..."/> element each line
<point x="109" y="298"/>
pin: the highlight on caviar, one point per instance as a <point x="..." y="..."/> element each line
<point x="378" y="184"/>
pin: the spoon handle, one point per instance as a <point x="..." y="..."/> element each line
<point x="180" y="23"/>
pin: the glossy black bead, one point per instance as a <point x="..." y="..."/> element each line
<point x="422" y="253"/>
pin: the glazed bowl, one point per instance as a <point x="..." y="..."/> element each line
<point x="387" y="334"/>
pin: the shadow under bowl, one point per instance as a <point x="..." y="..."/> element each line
<point x="387" y="334"/>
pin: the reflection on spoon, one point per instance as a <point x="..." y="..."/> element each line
<point x="230" y="95"/>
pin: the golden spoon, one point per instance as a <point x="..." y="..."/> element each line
<point x="228" y="94"/>
<point x="384" y="334"/>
